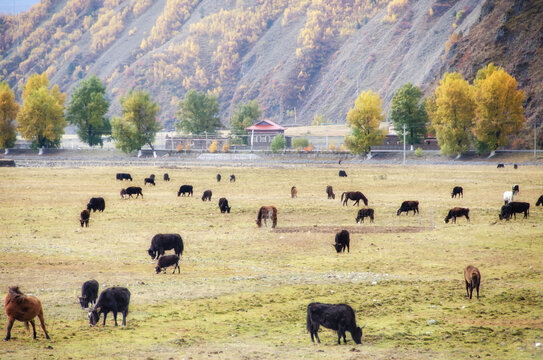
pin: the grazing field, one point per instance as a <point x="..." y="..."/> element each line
<point x="243" y="291"/>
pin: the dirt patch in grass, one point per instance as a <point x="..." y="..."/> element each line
<point x="354" y="229"/>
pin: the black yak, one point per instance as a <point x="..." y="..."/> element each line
<point x="408" y="206"/>
<point x="457" y="190"/>
<point x="363" y="213"/>
<point x="84" y="218"/>
<point x="89" y="293"/>
<point x="338" y="317"/>
<point x="223" y="205"/>
<point x="457" y="212"/>
<point x="166" y="261"/>
<point x="115" y="299"/>
<point x="162" y="242"/>
<point x="342" y="241"/>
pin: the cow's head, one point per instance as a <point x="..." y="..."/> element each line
<point x="84" y="301"/>
<point x="357" y="335"/>
<point x="94" y="316"/>
<point x="151" y="253"/>
<point x="338" y="247"/>
<point x="158" y="269"/>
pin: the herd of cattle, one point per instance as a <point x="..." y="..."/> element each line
<point x="338" y="317"/>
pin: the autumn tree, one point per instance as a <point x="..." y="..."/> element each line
<point x="498" y="107"/>
<point x="451" y="112"/>
<point x="138" y="125"/>
<point x="8" y="113"/>
<point x="198" y="113"/>
<point x="41" y="118"/>
<point x="364" y="119"/>
<point x="87" y="110"/>
<point x="244" y="116"/>
<point x="407" y="110"/>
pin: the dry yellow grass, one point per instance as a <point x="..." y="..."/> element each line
<point x="242" y="291"/>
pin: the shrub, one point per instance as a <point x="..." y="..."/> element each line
<point x="418" y="152"/>
<point x="300" y="143"/>
<point x="332" y="146"/>
<point x="278" y="143"/>
<point x="213" y="147"/>
<point x="226" y="147"/>
<point x="179" y="147"/>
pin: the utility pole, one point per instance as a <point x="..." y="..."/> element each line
<point x="404" y="144"/>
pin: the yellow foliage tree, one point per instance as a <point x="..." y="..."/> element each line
<point x="451" y="114"/>
<point x="364" y="119"/>
<point x="225" y="147"/>
<point x="41" y="118"/>
<point x="498" y="112"/>
<point x="8" y="113"/>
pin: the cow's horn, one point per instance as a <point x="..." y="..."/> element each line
<point x="364" y="326"/>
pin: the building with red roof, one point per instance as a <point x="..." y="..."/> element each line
<point x="262" y="133"/>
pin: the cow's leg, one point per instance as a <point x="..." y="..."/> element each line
<point x="478" y="291"/>
<point x="467" y="289"/>
<point x="124" y="317"/>
<point x="10" y="325"/>
<point x="115" y="317"/>
<point x="33" y="328"/>
<point x="104" y="322"/>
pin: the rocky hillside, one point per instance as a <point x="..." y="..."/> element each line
<point x="298" y="58"/>
<point x="510" y="34"/>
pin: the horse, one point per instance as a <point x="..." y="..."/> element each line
<point x="24" y="308"/>
<point x="356" y="196"/>
<point x="267" y="212"/>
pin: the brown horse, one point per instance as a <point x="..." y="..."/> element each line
<point x="24" y="308"/>
<point x="267" y="212"/>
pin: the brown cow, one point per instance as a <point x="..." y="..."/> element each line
<point x="473" y="280"/>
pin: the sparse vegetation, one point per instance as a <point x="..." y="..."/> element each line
<point x="244" y="291"/>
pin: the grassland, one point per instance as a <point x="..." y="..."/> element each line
<point x="243" y="291"/>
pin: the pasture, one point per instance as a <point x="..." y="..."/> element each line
<point x="243" y="291"/>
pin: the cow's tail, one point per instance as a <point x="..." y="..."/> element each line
<point x="308" y="323"/>
<point x="259" y="217"/>
<point x="365" y="200"/>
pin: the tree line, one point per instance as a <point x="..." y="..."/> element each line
<point x="482" y="115"/>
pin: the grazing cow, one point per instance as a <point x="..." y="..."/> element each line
<point x="162" y="242"/>
<point x="166" y="261"/>
<point x="473" y="280"/>
<point x="96" y="203"/>
<point x="89" y="293"/>
<point x="185" y="189"/>
<point x="21" y="307"/>
<point x="513" y="208"/>
<point x="124" y="176"/>
<point x="515" y="166"/>
<point x="338" y="317"/>
<point x="84" y="218"/>
<point x="218" y="177"/>
<point x="356" y="196"/>
<point x="152" y="176"/>
<point x="267" y="213"/>
<point x="342" y="173"/>
<point x="223" y="205"/>
<point x="362" y="213"/>
<point x="539" y="201"/>
<point x="515" y="189"/>
<point x="407" y="206"/>
<point x="149" y="181"/>
<point x="115" y="299"/>
<point x="457" y="190"/>
<point x="207" y="195"/>
<point x="232" y="178"/>
<point x="507" y="197"/>
<point x="132" y="190"/>
<point x="166" y="177"/>
<point x="293" y="192"/>
<point x="342" y="241"/>
<point x="330" y="192"/>
<point x="501" y="166"/>
<point x="457" y="212"/>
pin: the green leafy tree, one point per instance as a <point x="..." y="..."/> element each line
<point x="451" y="112"/>
<point x="138" y="125"/>
<point x="278" y="143"/>
<point x="498" y="107"/>
<point x="8" y="113"/>
<point x="244" y="116"/>
<point x="87" y="110"/>
<point x="300" y="143"/>
<point x="41" y="118"/>
<point x="364" y="119"/>
<point x="407" y="109"/>
<point x="198" y="113"/>
<point x="318" y="120"/>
